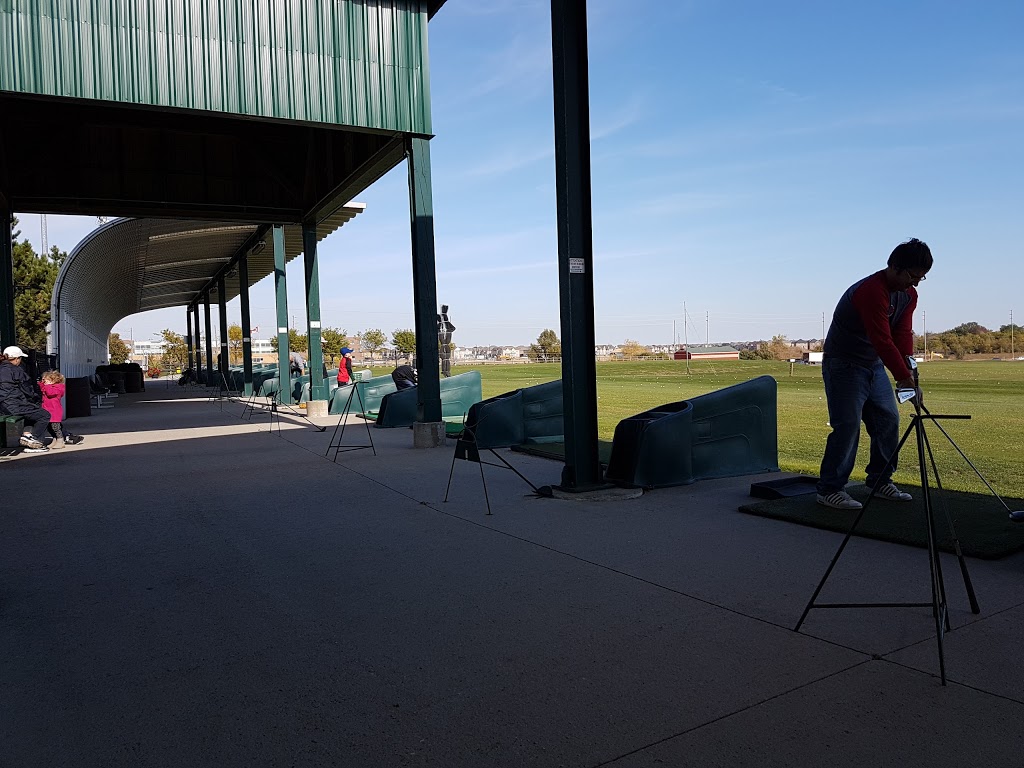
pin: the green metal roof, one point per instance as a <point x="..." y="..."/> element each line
<point x="359" y="64"/>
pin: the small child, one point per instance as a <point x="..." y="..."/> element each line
<point x="52" y="385"/>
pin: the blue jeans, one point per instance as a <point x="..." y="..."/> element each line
<point x="856" y="393"/>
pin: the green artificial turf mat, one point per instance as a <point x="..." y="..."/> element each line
<point x="556" y="451"/>
<point x="981" y="522"/>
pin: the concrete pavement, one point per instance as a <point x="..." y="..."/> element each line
<point x="187" y="589"/>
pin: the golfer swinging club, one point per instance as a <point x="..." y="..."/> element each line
<point x="871" y="330"/>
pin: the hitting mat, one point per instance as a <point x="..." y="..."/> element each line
<point x="981" y="522"/>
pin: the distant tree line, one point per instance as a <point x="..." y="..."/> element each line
<point x="973" y="339"/>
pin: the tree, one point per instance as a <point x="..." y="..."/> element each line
<point x="297" y="342"/>
<point x="547" y="346"/>
<point x="967" y="329"/>
<point x="633" y="348"/>
<point x="176" y="350"/>
<point x="404" y="341"/>
<point x="118" y="350"/>
<point x="34" y="276"/>
<point x="235" y="343"/>
<point x="776" y="349"/>
<point x="373" y="340"/>
<point x="334" y="339"/>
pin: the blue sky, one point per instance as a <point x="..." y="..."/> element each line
<point x="750" y="160"/>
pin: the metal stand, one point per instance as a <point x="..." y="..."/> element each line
<point x="338" y="446"/>
<point x="466" y="448"/>
<point x="224" y="391"/>
<point x="938" y="602"/>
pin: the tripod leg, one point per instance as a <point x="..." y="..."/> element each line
<point x="969" y="463"/>
<point x="975" y="608"/>
<point x="450" y="473"/>
<point x="935" y="568"/>
<point x="483" y="480"/>
<point x="362" y="410"/>
<point x="523" y="477"/>
<point x="849" y="535"/>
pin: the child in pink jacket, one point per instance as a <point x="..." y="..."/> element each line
<point x="52" y="385"/>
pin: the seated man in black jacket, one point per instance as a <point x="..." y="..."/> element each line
<point x="20" y="397"/>
<point x="404" y="377"/>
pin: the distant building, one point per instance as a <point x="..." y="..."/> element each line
<point x="707" y="352"/>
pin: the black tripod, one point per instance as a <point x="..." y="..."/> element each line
<point x="938" y="603"/>
<point x="338" y="446"/>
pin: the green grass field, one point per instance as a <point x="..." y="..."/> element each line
<point x="991" y="392"/>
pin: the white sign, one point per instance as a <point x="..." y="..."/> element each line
<point x="576" y="267"/>
<point x="314" y="324"/>
<point x="282" y="330"/>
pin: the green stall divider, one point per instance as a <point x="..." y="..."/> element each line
<point x="458" y="394"/>
<point x="730" y="432"/>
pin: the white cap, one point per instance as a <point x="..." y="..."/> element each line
<point x="14" y="352"/>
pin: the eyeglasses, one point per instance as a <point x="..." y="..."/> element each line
<point x="916" y="278"/>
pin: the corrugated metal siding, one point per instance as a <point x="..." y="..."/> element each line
<point x="348" y="62"/>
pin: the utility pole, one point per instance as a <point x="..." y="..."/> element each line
<point x="1011" y="334"/>
<point x="707" y="328"/>
<point x="686" y="344"/>
<point x="924" y="319"/>
<point x="823" y="329"/>
<point x="42" y="231"/>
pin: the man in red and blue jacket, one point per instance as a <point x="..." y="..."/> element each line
<point x="871" y="331"/>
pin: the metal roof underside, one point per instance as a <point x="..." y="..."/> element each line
<point x="135" y="265"/>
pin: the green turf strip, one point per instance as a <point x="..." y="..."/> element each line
<point x="980" y="520"/>
<point x="556" y="451"/>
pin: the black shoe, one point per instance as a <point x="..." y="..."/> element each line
<point x="37" y="449"/>
<point x="73" y="439"/>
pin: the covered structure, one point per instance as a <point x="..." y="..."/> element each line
<point x="270" y="116"/>
<point x="134" y="265"/>
<point x="272" y="113"/>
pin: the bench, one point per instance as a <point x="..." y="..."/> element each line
<point x="11" y="430"/>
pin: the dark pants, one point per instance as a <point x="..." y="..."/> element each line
<point x="37" y="417"/>
<point x="857" y="394"/>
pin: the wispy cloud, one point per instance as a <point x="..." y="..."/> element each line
<point x="522" y="69"/>
<point x="513" y="159"/>
<point x="629" y="113"/>
<point x="680" y="203"/>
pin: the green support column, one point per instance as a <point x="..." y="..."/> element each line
<point x="222" y="303"/>
<point x="317" y="386"/>
<point x="281" y="301"/>
<point x="198" y="338"/>
<point x="575" y="243"/>
<point x="6" y="279"/>
<point x="424" y="281"/>
<point x="243" y="300"/>
<point x="188" y="334"/>
<point x="210" y="370"/>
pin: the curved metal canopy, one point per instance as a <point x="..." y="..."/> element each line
<point x="134" y="265"/>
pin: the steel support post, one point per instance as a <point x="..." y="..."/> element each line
<point x="7" y="333"/>
<point x="222" y="305"/>
<point x="198" y="339"/>
<point x="209" y="341"/>
<point x="243" y="301"/>
<point x="575" y="243"/>
<point x="424" y="281"/>
<point x="188" y="335"/>
<point x="281" y="302"/>
<point x="317" y="385"/>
